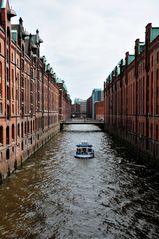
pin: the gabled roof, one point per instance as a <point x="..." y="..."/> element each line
<point x="131" y="59"/>
<point x="154" y="33"/>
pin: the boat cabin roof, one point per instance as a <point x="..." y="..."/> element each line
<point x="83" y="145"/>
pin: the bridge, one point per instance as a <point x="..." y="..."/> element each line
<point x="99" y="123"/>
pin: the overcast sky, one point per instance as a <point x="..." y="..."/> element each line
<point x="85" y="39"/>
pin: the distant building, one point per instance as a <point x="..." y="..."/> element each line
<point x="75" y="110"/>
<point x="99" y="110"/>
<point x="77" y="101"/>
<point x="79" y="108"/>
<point x="83" y="108"/>
<point x="97" y="95"/>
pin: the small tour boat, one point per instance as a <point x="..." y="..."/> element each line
<point x="84" y="151"/>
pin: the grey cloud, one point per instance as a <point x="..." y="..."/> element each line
<point x="84" y="40"/>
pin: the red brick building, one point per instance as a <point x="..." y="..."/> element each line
<point x="131" y="96"/>
<point x="99" y="110"/>
<point x="75" y="110"/>
<point x="32" y="102"/>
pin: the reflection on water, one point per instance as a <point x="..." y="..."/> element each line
<point x="55" y="195"/>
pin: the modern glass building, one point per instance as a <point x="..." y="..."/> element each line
<point x="97" y="95"/>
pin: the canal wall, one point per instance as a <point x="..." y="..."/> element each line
<point x="7" y="167"/>
<point x="143" y="151"/>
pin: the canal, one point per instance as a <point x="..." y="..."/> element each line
<point x="56" y="196"/>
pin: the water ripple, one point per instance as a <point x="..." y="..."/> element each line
<point x="56" y="196"/>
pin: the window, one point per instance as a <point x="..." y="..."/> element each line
<point x="1" y="135"/>
<point x="12" y="84"/>
<point x="28" y="126"/>
<point x="7" y="135"/>
<point x="7" y="154"/>
<point x="13" y="109"/>
<point x="25" y="128"/>
<point x="22" y="129"/>
<point x="22" y="50"/>
<point x="22" y="145"/>
<point x="31" y="126"/>
<point x="1" y="109"/>
<point x="12" y="131"/>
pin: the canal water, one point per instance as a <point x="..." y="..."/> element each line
<point x="56" y="196"/>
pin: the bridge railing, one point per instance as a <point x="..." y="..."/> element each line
<point x="85" y="120"/>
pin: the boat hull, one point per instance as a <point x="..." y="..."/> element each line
<point x="80" y="156"/>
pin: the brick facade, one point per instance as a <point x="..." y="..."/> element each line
<point x="99" y="110"/>
<point x="32" y="102"/>
<point x="131" y="96"/>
